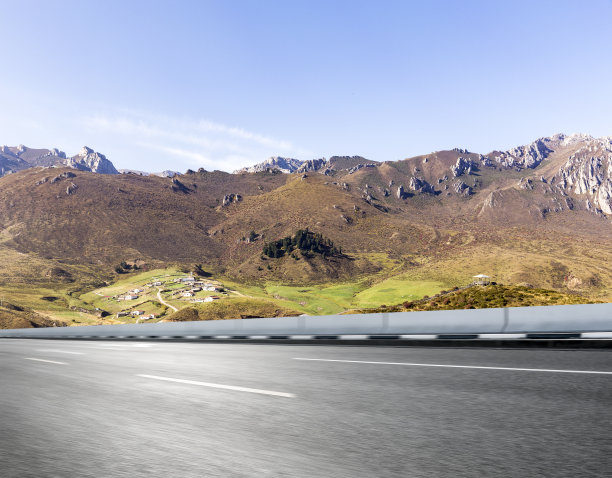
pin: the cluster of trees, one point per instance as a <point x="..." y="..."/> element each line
<point x="305" y="241"/>
<point x="124" y="268"/>
<point x="199" y="270"/>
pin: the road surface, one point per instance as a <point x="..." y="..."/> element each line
<point x="159" y="296"/>
<point x="140" y="409"/>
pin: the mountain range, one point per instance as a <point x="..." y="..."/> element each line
<point x="537" y="214"/>
<point x="13" y="159"/>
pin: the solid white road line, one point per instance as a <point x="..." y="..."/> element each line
<point x="458" y="366"/>
<point x="60" y="351"/>
<point x="419" y="336"/>
<point x="217" y="385"/>
<point x="597" y="335"/>
<point x="43" y="360"/>
<point x="502" y="336"/>
<point x="112" y="345"/>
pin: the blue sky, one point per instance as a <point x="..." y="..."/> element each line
<point x="222" y="84"/>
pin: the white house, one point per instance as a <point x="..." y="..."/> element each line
<point x="187" y="294"/>
<point x="134" y="313"/>
<point x="481" y="279"/>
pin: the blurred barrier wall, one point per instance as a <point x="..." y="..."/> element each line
<point x="556" y="318"/>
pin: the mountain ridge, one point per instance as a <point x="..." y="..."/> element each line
<point x="17" y="158"/>
<point x="538" y="214"/>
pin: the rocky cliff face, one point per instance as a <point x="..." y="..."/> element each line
<point x="89" y="160"/>
<point x="531" y="155"/>
<point x="588" y="174"/>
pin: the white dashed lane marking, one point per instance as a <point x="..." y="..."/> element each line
<point x="60" y="351"/>
<point x="217" y="385"/>
<point x="47" y="361"/>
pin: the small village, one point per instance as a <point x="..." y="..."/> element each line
<point x="182" y="289"/>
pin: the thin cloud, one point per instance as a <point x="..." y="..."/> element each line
<point x="195" y="159"/>
<point x="193" y="143"/>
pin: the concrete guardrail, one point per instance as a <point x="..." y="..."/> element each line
<point x="559" y="319"/>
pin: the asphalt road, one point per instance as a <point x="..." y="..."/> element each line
<point x="131" y="409"/>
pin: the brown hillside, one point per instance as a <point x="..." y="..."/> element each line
<point x="510" y="215"/>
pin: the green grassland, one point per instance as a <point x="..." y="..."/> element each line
<point x="394" y="290"/>
<point x="398" y="279"/>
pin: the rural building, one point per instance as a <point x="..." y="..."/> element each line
<point x="187" y="294"/>
<point x="481" y="279"/>
<point x="136" y="312"/>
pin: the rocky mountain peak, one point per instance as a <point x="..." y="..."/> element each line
<point x="85" y="150"/>
<point x="89" y="160"/>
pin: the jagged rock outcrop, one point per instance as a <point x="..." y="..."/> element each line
<point x="486" y="161"/>
<point x="162" y="174"/>
<point x="420" y="185"/>
<point x="461" y="188"/>
<point x="525" y="183"/>
<point x="493" y="200"/>
<point x="531" y="155"/>
<point x="284" y="165"/>
<point x="89" y="160"/>
<point x="400" y="193"/>
<point x="589" y="172"/>
<point x="351" y="164"/>
<point x="357" y="167"/>
<point x="463" y="166"/>
<point x="64" y="175"/>
<point x="178" y="186"/>
<point x="312" y="165"/>
<point x="21" y="157"/>
<point x="231" y="198"/>
<point x="71" y="188"/>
